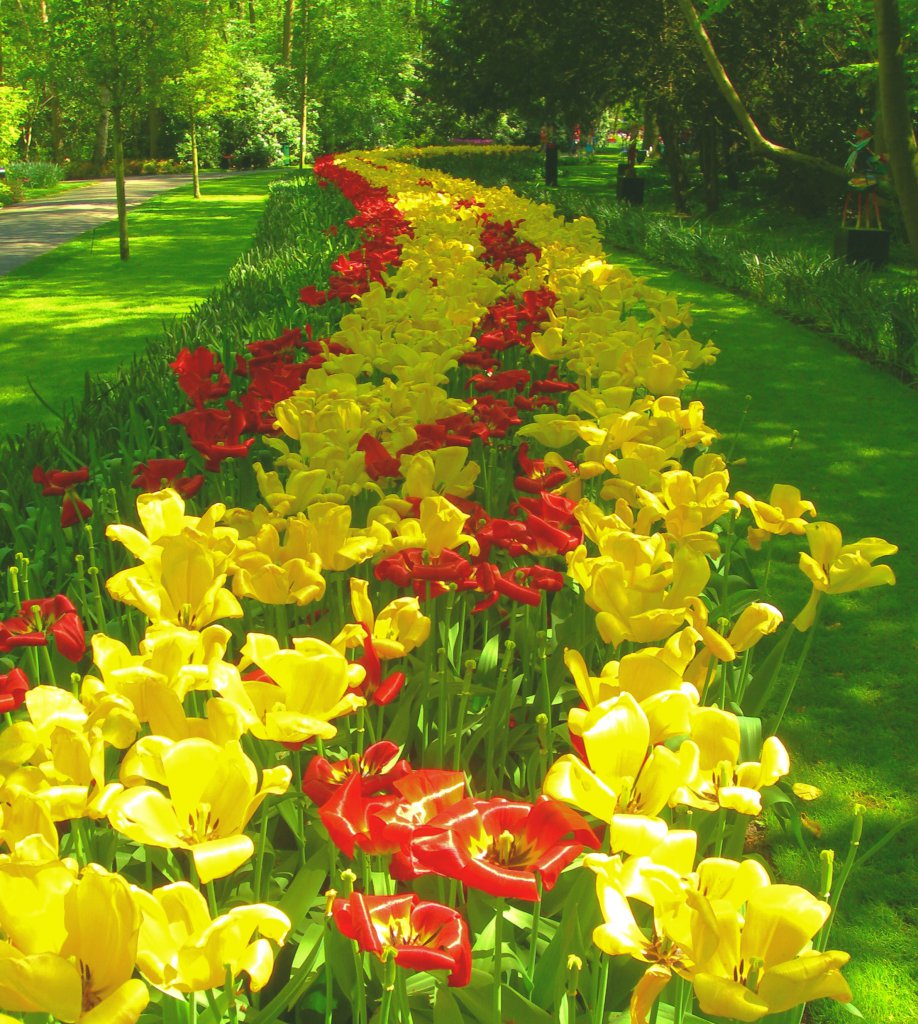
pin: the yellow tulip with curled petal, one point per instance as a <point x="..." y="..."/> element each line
<point x="836" y="568"/>
<point x="444" y="471"/>
<point x="169" y="656"/>
<point x="180" y="583"/>
<point x="720" y="780"/>
<point x="397" y="630"/>
<point x="639" y="591"/>
<point x="437" y="528"/>
<point x="624" y="781"/>
<point x="308" y="686"/>
<point x="272" y="573"/>
<point x="782" y="514"/>
<point x="212" y="792"/>
<point x="180" y="949"/>
<point x="764" y="962"/>
<point x="70" y="944"/>
<point x="675" y="912"/>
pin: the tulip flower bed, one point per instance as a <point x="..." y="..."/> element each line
<point x="466" y="714"/>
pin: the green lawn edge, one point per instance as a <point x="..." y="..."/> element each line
<point x="79" y="309"/>
<point x="796" y="409"/>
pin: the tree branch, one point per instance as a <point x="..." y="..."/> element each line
<point x="757" y="141"/>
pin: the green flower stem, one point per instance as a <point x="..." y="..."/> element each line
<point x="401" y="988"/>
<point x="44" y="653"/>
<point x="857" y="830"/>
<point x="534" y="934"/>
<point x="775" y="724"/>
<point x="545" y="692"/>
<point x="281" y="626"/>
<point x="499" y="905"/>
<point x="499" y="728"/>
<point x="260" y="855"/>
<point x="388" y="988"/>
<point x="212" y="1003"/>
<point x="602" y="985"/>
<point x="212" y="900"/>
<point x="360" y="1010"/>
<point x="464" y="695"/>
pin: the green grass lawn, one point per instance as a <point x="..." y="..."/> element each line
<point x="844" y="433"/>
<point x="79" y="309"/>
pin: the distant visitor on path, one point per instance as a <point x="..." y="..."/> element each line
<point x="550" y="146"/>
<point x="865" y="168"/>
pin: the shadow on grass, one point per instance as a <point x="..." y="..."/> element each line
<point x="80" y="309"/>
<point x="843" y="432"/>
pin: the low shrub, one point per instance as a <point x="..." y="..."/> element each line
<point x="10" y="192"/>
<point x="36" y="173"/>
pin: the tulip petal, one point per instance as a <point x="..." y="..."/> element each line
<point x="220" y="857"/>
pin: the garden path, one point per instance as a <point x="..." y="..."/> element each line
<point x="32" y="228"/>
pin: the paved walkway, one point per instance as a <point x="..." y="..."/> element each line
<point x="32" y="228"/>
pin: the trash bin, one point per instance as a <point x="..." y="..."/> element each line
<point x="631" y="190"/>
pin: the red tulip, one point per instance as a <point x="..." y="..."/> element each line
<point x="424" y="936"/>
<point x="56" y="616"/>
<point x="13" y="688"/>
<point x="154" y="474"/>
<point x="378" y="768"/>
<point x="498" y="845"/>
<point x="383" y="824"/>
<point x="56" y="482"/>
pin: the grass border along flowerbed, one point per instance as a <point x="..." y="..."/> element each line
<point x="877" y="321"/>
<point x="462" y="664"/>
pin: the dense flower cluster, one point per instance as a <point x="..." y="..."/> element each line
<point x="487" y="468"/>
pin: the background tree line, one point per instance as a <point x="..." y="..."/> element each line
<point x="729" y="81"/>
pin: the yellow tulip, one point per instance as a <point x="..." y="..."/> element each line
<point x="180" y="949"/>
<point x="625" y="781"/>
<point x="444" y="471"/>
<point x="722" y="782"/>
<point x="180" y="583"/>
<point x="396" y="631"/>
<point x="764" y="962"/>
<point x="676" y="912"/>
<point x="307" y="687"/>
<point x="836" y="568"/>
<point x="212" y="793"/>
<point x="782" y="514"/>
<point x="274" y="574"/>
<point x="70" y="944"/>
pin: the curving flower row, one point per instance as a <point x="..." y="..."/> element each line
<point x="491" y="623"/>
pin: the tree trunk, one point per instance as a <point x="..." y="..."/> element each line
<point x="101" y="144"/>
<point x="57" y="127"/>
<point x="304" y="82"/>
<point x="154" y="126"/>
<point x="195" y="176"/>
<point x="757" y="141"/>
<point x="650" y="127"/>
<point x="287" y="35"/>
<point x="710" y="165"/>
<point x="251" y="12"/>
<point x="118" y="152"/>
<point x="896" y="113"/>
<point x="673" y="159"/>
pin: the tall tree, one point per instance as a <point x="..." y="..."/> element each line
<point x="898" y="130"/>
<point x="109" y="43"/>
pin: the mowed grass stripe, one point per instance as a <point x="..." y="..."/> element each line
<point x="79" y="309"/>
<point x="843" y="432"/>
